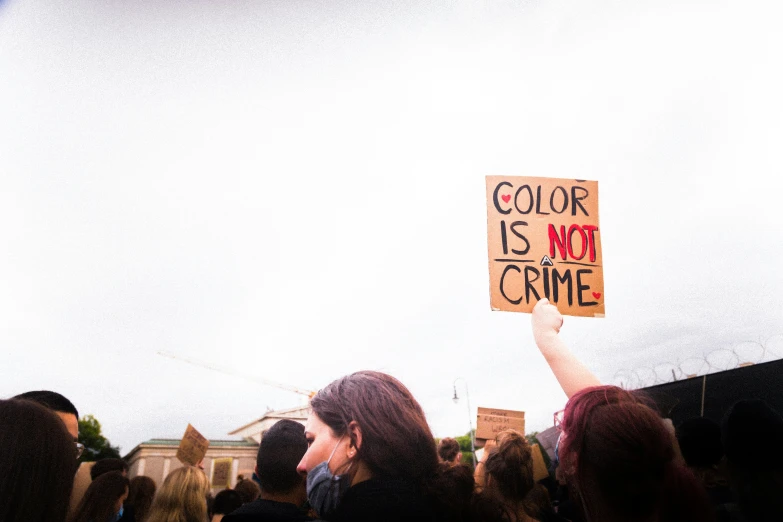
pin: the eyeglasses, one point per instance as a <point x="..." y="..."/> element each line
<point x="558" y="419"/>
<point x="79" y="449"/>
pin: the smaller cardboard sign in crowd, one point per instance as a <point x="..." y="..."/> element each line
<point x="492" y="421"/>
<point x="221" y="472"/>
<point x="192" y="447"/>
<point x="540" y="470"/>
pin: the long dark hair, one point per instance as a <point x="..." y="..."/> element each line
<point x="396" y="439"/>
<point x="100" y="499"/>
<point x="37" y="463"/>
<point x="622" y="460"/>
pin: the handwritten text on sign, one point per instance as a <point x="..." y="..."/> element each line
<point x="221" y="472"/>
<point x="544" y="241"/>
<point x="492" y="421"/>
<point x="192" y="447"/>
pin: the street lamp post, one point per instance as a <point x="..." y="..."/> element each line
<point x="470" y="417"/>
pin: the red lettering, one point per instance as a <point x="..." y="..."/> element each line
<point x="590" y="229"/>
<point x="576" y="228"/>
<point x="559" y="240"/>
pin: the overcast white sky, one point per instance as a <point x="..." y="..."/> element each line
<point x="295" y="189"/>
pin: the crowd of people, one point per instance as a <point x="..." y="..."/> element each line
<point x="366" y="453"/>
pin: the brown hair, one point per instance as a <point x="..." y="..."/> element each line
<point x="140" y="494"/>
<point x="105" y="465"/>
<point x="396" y="440"/>
<point x="100" y="499"/>
<point x="248" y="490"/>
<point x="509" y="466"/>
<point x="38" y="459"/>
<point x="448" y="449"/>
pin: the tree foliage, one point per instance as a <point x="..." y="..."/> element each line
<point x="96" y="446"/>
<point x="464" y="442"/>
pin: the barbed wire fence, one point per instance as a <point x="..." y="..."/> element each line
<point x="742" y="354"/>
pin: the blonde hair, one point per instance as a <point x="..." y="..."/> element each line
<point x="182" y="497"/>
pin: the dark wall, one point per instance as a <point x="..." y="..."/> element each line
<point x="681" y="400"/>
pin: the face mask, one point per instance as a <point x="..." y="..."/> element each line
<point x="324" y="490"/>
<point x="119" y="514"/>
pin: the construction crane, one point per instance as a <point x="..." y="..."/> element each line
<point x="308" y="393"/>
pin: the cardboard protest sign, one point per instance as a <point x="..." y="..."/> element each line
<point x="539" y="466"/>
<point x="492" y="421"/>
<point x="192" y="447"/>
<point x="544" y="241"/>
<point x="221" y="472"/>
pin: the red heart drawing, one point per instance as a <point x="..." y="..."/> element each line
<point x="506" y="198"/>
<point x="597" y="295"/>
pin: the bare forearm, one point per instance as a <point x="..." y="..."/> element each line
<point x="569" y="371"/>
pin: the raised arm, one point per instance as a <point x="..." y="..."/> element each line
<point x="569" y="371"/>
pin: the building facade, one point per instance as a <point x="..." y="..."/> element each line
<point x="224" y="461"/>
<point x="156" y="458"/>
<point x="255" y="429"/>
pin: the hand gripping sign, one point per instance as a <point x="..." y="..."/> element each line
<point x="544" y="240"/>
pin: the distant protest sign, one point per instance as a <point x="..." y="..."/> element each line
<point x="544" y="241"/>
<point x="540" y="470"/>
<point x="221" y="472"/>
<point x="192" y="447"/>
<point x="492" y="421"/>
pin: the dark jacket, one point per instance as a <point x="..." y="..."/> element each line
<point x="383" y="500"/>
<point x="267" y="511"/>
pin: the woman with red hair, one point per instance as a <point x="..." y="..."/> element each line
<point x="615" y="451"/>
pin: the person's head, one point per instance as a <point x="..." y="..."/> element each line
<point x="58" y="404"/>
<point x="753" y="441"/>
<point x="140" y="495"/>
<point x="620" y="457"/>
<point x="38" y="462"/>
<point x="508" y="468"/>
<point x="748" y="424"/>
<point x="454" y="486"/>
<point x="104" y="499"/>
<point x="699" y="440"/>
<point x="110" y="464"/>
<point x="182" y="496"/>
<point x="449" y="451"/>
<point x="248" y="490"/>
<point x="282" y="448"/>
<point x="226" y="501"/>
<point x="369" y="420"/>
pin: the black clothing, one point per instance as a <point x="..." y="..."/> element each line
<point x="267" y="511"/>
<point x="383" y="500"/>
<point x="128" y="514"/>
